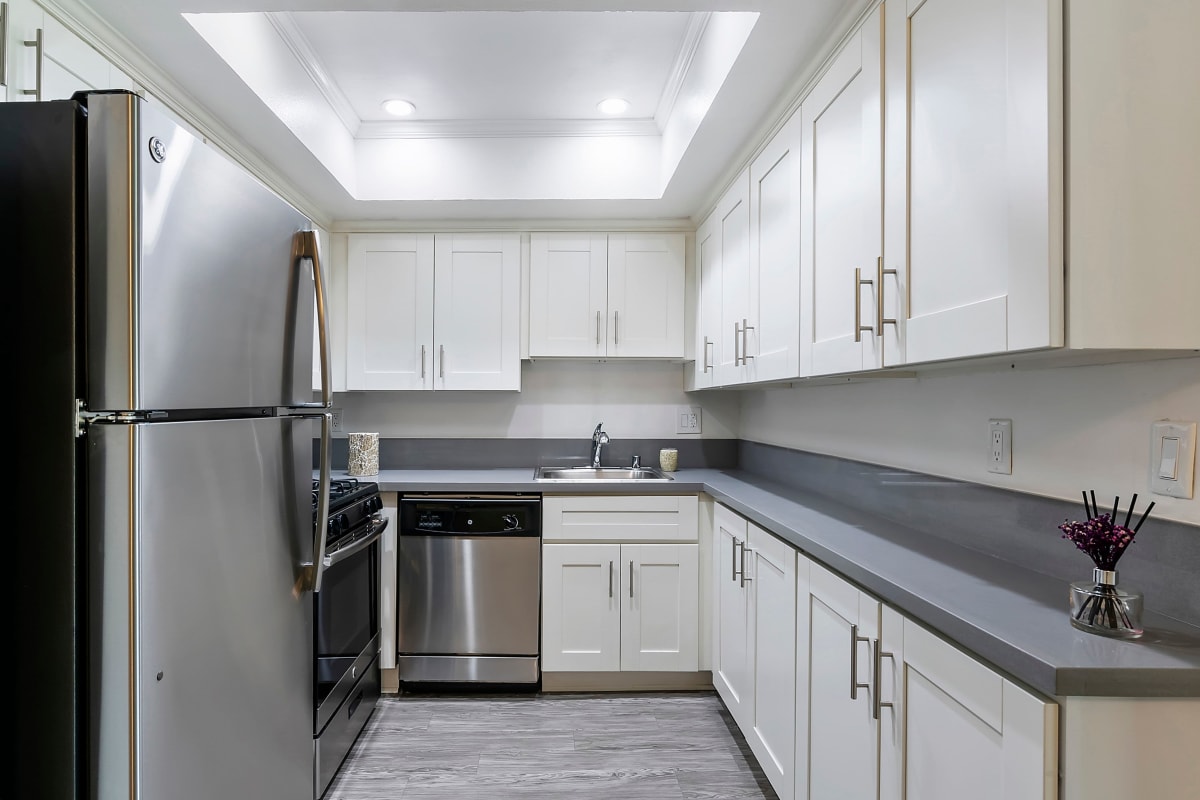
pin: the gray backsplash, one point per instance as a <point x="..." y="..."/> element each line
<point x="1163" y="561"/>
<point x="509" y="453"/>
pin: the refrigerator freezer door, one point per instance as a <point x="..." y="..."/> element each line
<point x="199" y="533"/>
<point x="196" y="297"/>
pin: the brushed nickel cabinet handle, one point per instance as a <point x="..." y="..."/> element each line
<point x="3" y="44"/>
<point x="746" y="327"/>
<point x="854" y="641"/>
<point x="737" y="332"/>
<point x="616" y="319"/>
<point x="597" y="328"/>
<point x="442" y="361"/>
<point x="610" y="578"/>
<point x="880" y="319"/>
<point x="878" y="656"/>
<point x="734" y="561"/>
<point x="631" y="577"/>
<point x="745" y="578"/>
<point x="858" y="284"/>
<point x="39" y="49"/>
<point x="707" y="344"/>
<point x="422" y="362"/>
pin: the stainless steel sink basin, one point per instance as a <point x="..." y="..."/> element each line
<point x="605" y="474"/>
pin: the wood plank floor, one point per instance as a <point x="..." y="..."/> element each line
<point x="580" y="746"/>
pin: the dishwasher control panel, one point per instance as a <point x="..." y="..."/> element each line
<point x="471" y="516"/>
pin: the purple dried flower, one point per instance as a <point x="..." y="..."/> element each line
<point x="1103" y="541"/>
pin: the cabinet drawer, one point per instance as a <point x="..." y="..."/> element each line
<point x="629" y="518"/>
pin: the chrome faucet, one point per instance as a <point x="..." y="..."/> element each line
<point x="599" y="439"/>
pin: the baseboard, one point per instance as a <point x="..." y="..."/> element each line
<point x="626" y="681"/>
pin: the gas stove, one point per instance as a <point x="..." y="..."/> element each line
<point x="352" y="506"/>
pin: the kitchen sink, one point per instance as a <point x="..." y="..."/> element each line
<point x="603" y="474"/>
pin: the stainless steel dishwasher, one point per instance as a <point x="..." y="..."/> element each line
<point x="469" y="589"/>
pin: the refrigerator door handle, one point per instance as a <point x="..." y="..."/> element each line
<point x="315" y="570"/>
<point x="306" y="247"/>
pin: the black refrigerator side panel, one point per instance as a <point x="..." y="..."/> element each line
<point x="41" y="205"/>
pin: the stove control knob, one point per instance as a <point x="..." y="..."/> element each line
<point x="337" y="524"/>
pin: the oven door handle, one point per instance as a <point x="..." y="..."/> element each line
<point x="342" y="553"/>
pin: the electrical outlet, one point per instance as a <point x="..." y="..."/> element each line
<point x="337" y="419"/>
<point x="687" y="419"/>
<point x="1000" y="446"/>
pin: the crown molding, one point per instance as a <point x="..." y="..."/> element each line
<point x="284" y="23"/>
<point x="505" y="128"/>
<point x="682" y="66"/>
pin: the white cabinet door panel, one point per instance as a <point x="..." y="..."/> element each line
<point x="568" y="294"/>
<point x="773" y="346"/>
<point x="773" y="737"/>
<point x="389" y="318"/>
<point x="581" y="607"/>
<point x="645" y="295"/>
<point x="708" y="316"/>
<point x="733" y="667"/>
<point x="984" y="177"/>
<point x="733" y="220"/>
<point x="477" y="311"/>
<point x="660" y="617"/>
<point x="842" y="194"/>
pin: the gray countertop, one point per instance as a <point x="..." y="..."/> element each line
<point x="1008" y="615"/>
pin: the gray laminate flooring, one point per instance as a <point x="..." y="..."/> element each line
<point x="579" y="746"/>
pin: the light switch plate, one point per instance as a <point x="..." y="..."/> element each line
<point x="1173" y="458"/>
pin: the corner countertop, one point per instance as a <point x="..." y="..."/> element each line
<point x="1008" y="615"/>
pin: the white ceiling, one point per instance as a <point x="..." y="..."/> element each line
<point x="506" y="124"/>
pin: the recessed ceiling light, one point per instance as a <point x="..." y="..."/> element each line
<point x="398" y="108"/>
<point x="613" y="105"/>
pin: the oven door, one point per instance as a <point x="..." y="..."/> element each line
<point x="347" y="621"/>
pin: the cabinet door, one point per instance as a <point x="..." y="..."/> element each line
<point x="843" y="736"/>
<point x="477" y="311"/>
<point x="969" y="732"/>
<point x="733" y="656"/>
<point x="708" y="307"/>
<point x="733" y="218"/>
<point x="389" y="311"/>
<point x="645" y="295"/>
<point x="568" y="294"/>
<point x="773" y="737"/>
<point x="984" y="195"/>
<point x="660" y="613"/>
<point x="773" y="341"/>
<point x="581" y="607"/>
<point x="842" y="197"/>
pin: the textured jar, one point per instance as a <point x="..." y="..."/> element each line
<point x="364" y="454"/>
<point x="668" y="459"/>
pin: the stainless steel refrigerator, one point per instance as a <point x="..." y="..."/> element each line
<point x="162" y="566"/>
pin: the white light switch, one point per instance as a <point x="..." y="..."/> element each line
<point x="1172" y="458"/>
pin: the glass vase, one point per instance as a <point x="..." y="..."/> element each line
<point x="1101" y="606"/>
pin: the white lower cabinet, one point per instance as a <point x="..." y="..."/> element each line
<point x="621" y="601"/>
<point x="893" y="711"/>
<point x="754" y="660"/>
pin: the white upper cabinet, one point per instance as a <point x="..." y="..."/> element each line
<point x="732" y="219"/>
<point x="842" y="201"/>
<point x="708" y="308"/>
<point x="433" y="312"/>
<point x="975" y="86"/>
<point x="605" y="296"/>
<point x="771" y="347"/>
<point x="43" y="60"/>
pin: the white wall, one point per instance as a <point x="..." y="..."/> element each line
<point x="558" y="399"/>
<point x="1074" y="428"/>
